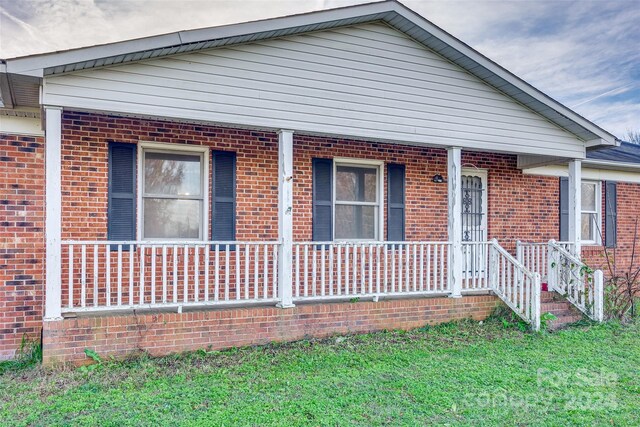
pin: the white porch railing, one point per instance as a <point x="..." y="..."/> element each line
<point x="475" y="266"/>
<point x="112" y="275"/>
<point x="326" y="270"/>
<point x="120" y="275"/>
<point x="582" y="286"/>
<point x="535" y="256"/>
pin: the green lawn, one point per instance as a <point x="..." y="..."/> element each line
<point x="453" y="374"/>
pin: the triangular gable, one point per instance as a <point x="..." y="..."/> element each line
<point x="390" y="12"/>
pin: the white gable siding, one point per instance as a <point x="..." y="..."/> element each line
<point x="367" y="81"/>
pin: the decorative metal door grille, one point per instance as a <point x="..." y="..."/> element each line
<point x="472" y="209"/>
<point x="473" y="223"/>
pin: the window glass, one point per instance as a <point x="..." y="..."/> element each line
<point x="356" y="184"/>
<point x="590" y="212"/>
<point x="588" y="197"/>
<point x="172" y="174"/>
<point x="588" y="229"/>
<point x="355" y="222"/>
<point x="173" y="195"/>
<point x="356" y="202"/>
<point x="171" y="218"/>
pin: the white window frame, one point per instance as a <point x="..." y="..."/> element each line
<point x="597" y="212"/>
<point x="373" y="164"/>
<point x="156" y="147"/>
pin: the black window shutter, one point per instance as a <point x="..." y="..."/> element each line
<point x="611" y="214"/>
<point x="395" y="203"/>
<point x="564" y="209"/>
<point x="121" y="211"/>
<point x="322" y="200"/>
<point x="223" y="197"/>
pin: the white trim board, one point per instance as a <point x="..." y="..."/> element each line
<point x="588" y="173"/>
<point x="15" y="125"/>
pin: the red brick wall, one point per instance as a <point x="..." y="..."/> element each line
<point x="85" y="139"/>
<point x="21" y="240"/>
<point x="519" y="206"/>
<point x="165" y="333"/>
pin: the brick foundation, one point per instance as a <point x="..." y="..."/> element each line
<point x="166" y="333"/>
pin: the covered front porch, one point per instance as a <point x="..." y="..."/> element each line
<point x="453" y="244"/>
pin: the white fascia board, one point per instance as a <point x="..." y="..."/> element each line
<point x="15" y="125"/>
<point x="590" y="171"/>
<point x="615" y="166"/>
<point x="35" y="65"/>
<point x="463" y="48"/>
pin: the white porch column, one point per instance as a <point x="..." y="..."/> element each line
<point x="454" y="185"/>
<point x="53" y="221"/>
<point x="575" y="205"/>
<point x="285" y="218"/>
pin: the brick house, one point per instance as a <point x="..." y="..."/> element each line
<point x="353" y="169"/>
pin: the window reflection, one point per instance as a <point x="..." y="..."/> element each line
<point x="173" y="195"/>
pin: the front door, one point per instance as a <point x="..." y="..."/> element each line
<point x="474" y="222"/>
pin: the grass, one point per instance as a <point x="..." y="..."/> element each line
<point x="466" y="373"/>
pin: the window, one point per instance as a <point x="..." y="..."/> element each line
<point x="357" y="200"/>
<point x="591" y="213"/>
<point x="173" y="192"/>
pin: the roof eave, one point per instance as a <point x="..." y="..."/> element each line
<point x="612" y="165"/>
<point x="36" y="65"/>
<point x="600" y="143"/>
<point x="605" y="138"/>
<point x="390" y="11"/>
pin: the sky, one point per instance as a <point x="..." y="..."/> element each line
<point x="585" y="53"/>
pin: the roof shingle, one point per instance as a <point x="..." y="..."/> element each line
<point x="625" y="153"/>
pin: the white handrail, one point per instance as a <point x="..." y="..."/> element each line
<point x="170" y="242"/>
<point x="100" y="275"/>
<point x="571" y="277"/>
<point x="535" y="256"/>
<point x="517" y="286"/>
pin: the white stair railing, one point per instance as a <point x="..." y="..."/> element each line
<point x="516" y="285"/>
<point x="579" y="284"/>
<point x="534" y="256"/>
